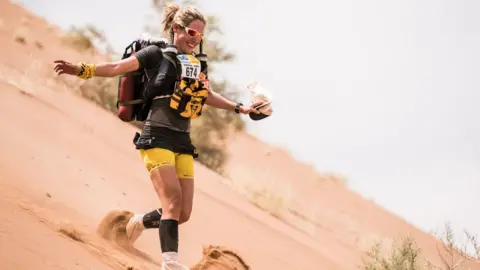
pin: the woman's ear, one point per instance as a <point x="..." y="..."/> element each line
<point x="175" y="28"/>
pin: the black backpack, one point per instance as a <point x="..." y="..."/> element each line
<point x="130" y="102"/>
<point x="134" y="99"/>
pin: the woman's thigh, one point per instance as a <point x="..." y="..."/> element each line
<point x="157" y="157"/>
<point x="185" y="173"/>
<point x="161" y="165"/>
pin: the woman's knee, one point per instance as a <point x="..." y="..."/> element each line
<point x="184" y="216"/>
<point x="173" y="202"/>
<point x="169" y="191"/>
<point x="187" y="198"/>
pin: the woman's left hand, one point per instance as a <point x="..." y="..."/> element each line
<point x="247" y="110"/>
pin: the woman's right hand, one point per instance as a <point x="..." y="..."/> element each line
<point x="63" y="67"/>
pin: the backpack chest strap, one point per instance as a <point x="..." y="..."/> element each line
<point x="162" y="96"/>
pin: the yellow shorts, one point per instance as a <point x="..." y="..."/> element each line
<point x="158" y="157"/>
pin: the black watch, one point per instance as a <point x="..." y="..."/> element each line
<point x="237" y="107"/>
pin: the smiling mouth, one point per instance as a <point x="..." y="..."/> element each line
<point x="191" y="45"/>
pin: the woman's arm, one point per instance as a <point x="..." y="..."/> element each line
<point x="146" y="57"/>
<point x="112" y="69"/>
<point x="106" y="69"/>
<point x="218" y="101"/>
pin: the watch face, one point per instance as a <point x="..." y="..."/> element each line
<point x="237" y="107"/>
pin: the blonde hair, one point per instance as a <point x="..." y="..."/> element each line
<point x="182" y="16"/>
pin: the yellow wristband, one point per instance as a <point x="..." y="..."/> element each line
<point x="87" y="71"/>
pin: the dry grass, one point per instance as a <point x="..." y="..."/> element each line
<point x="406" y="255"/>
<point x="453" y="255"/>
<point x="403" y="256"/>
<point x="270" y="198"/>
<point x="78" y="41"/>
<point x="262" y="190"/>
<point x="265" y="193"/>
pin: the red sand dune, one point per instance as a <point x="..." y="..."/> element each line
<point x="66" y="162"/>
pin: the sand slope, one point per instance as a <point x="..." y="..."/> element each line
<point x="66" y="163"/>
<point x="48" y="154"/>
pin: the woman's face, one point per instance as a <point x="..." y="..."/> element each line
<point x="187" y="38"/>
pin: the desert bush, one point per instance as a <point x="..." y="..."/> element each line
<point x="87" y="39"/>
<point x="78" y="39"/>
<point x="101" y="91"/>
<point x="453" y="255"/>
<point x="406" y="255"/>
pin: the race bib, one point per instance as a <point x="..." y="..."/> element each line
<point x="190" y="66"/>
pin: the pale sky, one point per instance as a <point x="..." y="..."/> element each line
<point x="391" y="87"/>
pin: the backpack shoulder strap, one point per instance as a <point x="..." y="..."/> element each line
<point x="174" y="63"/>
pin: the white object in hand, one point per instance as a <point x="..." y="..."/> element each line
<point x="259" y="94"/>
